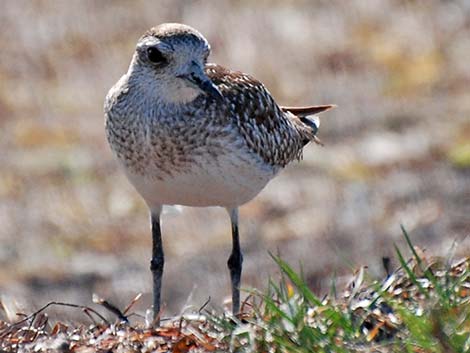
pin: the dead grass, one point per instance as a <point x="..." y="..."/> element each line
<point x="423" y="306"/>
<point x="70" y="224"/>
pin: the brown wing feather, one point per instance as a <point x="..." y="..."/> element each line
<point x="309" y="110"/>
<point x="267" y="130"/>
<point x="276" y="134"/>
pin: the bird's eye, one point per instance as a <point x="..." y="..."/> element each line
<point x="155" y="55"/>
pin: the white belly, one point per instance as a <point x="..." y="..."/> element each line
<point x="227" y="182"/>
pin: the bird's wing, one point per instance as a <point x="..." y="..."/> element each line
<point x="267" y="130"/>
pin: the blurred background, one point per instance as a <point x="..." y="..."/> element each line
<point x="397" y="148"/>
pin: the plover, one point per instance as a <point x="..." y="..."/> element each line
<point x="187" y="132"/>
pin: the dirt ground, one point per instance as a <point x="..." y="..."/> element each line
<point x="397" y="148"/>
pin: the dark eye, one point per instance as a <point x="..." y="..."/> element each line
<point x="155" y="55"/>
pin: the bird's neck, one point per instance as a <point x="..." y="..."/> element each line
<point x="162" y="90"/>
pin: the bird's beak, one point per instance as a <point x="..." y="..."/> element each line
<point x="198" y="78"/>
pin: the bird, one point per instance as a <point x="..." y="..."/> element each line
<point x="192" y="133"/>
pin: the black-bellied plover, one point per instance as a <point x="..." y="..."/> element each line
<point x="191" y="133"/>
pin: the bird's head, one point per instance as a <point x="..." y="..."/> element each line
<point x="169" y="60"/>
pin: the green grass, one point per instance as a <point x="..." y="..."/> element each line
<point x="423" y="306"/>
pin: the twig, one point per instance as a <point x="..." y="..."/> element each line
<point x="204" y="305"/>
<point x="111" y="307"/>
<point x="245" y="302"/>
<point x="85" y="311"/>
<point x="140" y="316"/>
<point x="131" y="304"/>
<point x="32" y="316"/>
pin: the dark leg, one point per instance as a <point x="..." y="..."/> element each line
<point x="235" y="262"/>
<point x="156" y="264"/>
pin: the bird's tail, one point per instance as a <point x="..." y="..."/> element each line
<point x="310" y="122"/>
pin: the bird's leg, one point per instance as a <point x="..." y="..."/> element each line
<point x="156" y="264"/>
<point x="235" y="262"/>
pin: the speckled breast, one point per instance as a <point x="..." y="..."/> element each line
<point x="187" y="159"/>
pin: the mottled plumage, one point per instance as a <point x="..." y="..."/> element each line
<point x="197" y="134"/>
